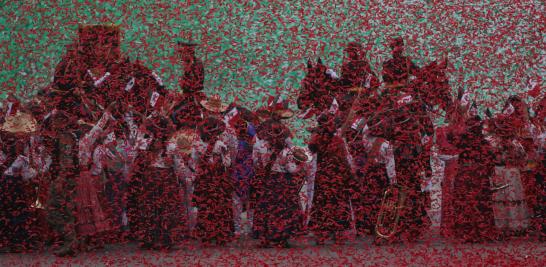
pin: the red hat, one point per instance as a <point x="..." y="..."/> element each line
<point x="353" y="45"/>
<point x="100" y="37"/>
<point x="159" y="126"/>
<point x="396" y="42"/>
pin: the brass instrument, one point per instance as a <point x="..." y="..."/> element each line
<point x="389" y="214"/>
<point x="499" y="187"/>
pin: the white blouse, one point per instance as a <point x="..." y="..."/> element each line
<point x="285" y="162"/>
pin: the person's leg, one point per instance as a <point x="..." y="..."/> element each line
<point x="237" y="211"/>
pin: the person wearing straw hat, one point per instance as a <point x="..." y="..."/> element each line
<point x="155" y="199"/>
<point x="214" y="188"/>
<point x="213" y="105"/>
<point x="334" y="181"/>
<point x="181" y="146"/>
<point x="512" y="213"/>
<point x="16" y="169"/>
<point x="276" y="186"/>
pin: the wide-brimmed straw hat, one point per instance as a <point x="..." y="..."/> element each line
<point x="184" y="139"/>
<point x="299" y="154"/>
<point x="214" y="104"/>
<point x="280" y="108"/>
<point x="19" y="123"/>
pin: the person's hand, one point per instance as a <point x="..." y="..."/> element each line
<point x="111" y="106"/>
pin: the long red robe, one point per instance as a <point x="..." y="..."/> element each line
<point x="156" y="202"/>
<point x="333" y="183"/>
<point x="371" y="188"/>
<point x="446" y="147"/>
<point x="408" y="154"/>
<point x="213" y="196"/>
<point x="472" y="196"/>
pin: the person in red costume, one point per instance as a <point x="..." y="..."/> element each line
<point x="213" y="193"/>
<point x="187" y="111"/>
<point x="334" y="181"/>
<point x="398" y="69"/>
<point x="91" y="221"/>
<point x="405" y="132"/>
<point x="449" y="154"/>
<point x="540" y="207"/>
<point x="472" y="193"/>
<point x="375" y="174"/>
<point x="275" y="188"/>
<point x="63" y="129"/>
<point x="156" y="203"/>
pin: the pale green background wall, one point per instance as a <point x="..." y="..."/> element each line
<point x="255" y="47"/>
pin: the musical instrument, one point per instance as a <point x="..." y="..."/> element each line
<point x="357" y="89"/>
<point x="500" y="187"/>
<point x="388" y="217"/>
<point x="394" y="85"/>
<point x="299" y="154"/>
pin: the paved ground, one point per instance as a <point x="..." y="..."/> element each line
<point x="359" y="252"/>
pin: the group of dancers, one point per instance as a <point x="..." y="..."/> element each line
<point x="106" y="154"/>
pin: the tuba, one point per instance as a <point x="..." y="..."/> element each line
<point x="389" y="213"/>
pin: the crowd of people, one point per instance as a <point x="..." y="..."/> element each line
<point x="106" y="154"/>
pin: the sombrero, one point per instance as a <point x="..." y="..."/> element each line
<point x="263" y="113"/>
<point x="214" y="104"/>
<point x="394" y="85"/>
<point x="299" y="154"/>
<point x="280" y="107"/>
<point x="357" y="89"/>
<point x="184" y="139"/>
<point x="19" y="123"/>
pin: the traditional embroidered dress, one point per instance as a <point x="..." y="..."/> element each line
<point x="64" y="169"/>
<point x="376" y="174"/>
<point x="276" y="187"/>
<point x="510" y="205"/>
<point x="90" y="218"/>
<point x="242" y="170"/>
<point x="333" y="182"/>
<point x="449" y="154"/>
<point x="156" y="193"/>
<point x="213" y="193"/>
<point x="160" y="200"/>
<point x="279" y="206"/>
<point x="473" y="220"/>
<point x="17" y="193"/>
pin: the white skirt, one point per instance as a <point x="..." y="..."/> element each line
<point x="509" y="205"/>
